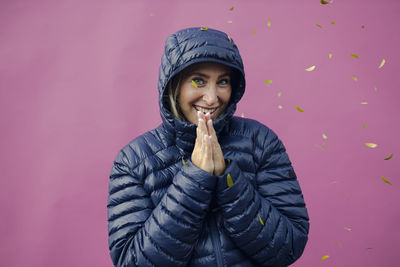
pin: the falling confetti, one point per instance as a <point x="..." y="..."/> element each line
<point x="333" y="23"/>
<point x="229" y="180"/>
<point x="354" y="55"/>
<point x="254" y="31"/>
<point x="261" y="221"/>
<point x="194" y="84"/>
<point x="184" y="163"/>
<point x="230" y="21"/>
<point x="330" y="55"/>
<point x="368" y="248"/>
<point x="324" y="257"/>
<point x="318" y="25"/>
<point x="326" y="2"/>
<point x="280" y="107"/>
<point x="229" y="38"/>
<point x="324" y="136"/>
<point x="268" y="81"/>
<point x="385" y="180"/>
<point x="269" y="22"/>
<point x="382" y="63"/>
<point x="347" y="228"/>
<point x="362" y="26"/>
<point x="280" y="93"/>
<point x="323" y="146"/>
<point x="372" y="145"/>
<point x="364" y="103"/>
<point x="311" y="68"/>
<point x="299" y="109"/>
<point x="391" y="155"/>
<point x="364" y="126"/>
<point x="354" y="78"/>
<point x="242" y="115"/>
<point x="375" y="89"/>
<point x="231" y="9"/>
<point x="204" y="29"/>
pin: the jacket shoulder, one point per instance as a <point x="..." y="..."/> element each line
<point x="250" y="128"/>
<point x="144" y="146"/>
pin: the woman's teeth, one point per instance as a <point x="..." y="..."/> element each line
<point x="205" y="110"/>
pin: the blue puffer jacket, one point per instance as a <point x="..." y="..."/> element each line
<point x="165" y="211"/>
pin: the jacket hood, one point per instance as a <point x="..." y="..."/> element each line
<point x="187" y="47"/>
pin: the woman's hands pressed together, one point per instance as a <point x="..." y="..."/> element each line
<point x="207" y="153"/>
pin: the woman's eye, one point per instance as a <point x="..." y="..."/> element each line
<point x="198" y="81"/>
<point x="224" y="82"/>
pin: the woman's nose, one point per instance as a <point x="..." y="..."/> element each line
<point x="210" y="95"/>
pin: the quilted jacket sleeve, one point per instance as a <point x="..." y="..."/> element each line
<point x="268" y="222"/>
<point x="141" y="234"/>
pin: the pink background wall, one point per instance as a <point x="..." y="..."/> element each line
<point x="78" y="81"/>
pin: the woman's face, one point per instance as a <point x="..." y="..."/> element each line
<point x="212" y="93"/>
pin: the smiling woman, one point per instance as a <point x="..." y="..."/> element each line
<point x="205" y="188"/>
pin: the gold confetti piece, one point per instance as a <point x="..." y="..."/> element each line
<point x="391" y="155"/>
<point x="184" y="163"/>
<point x="318" y="25"/>
<point x="372" y="145"/>
<point x="368" y="248"/>
<point x="347" y="228"/>
<point x="229" y="180"/>
<point x="280" y="107"/>
<point x="280" y="93"/>
<point x="311" y="68"/>
<point x="324" y="136"/>
<point x="385" y="180"/>
<point x="382" y="63"/>
<point x="330" y="55"/>
<point x="354" y="55"/>
<point x="364" y="103"/>
<point x="229" y="160"/>
<point x="326" y="2"/>
<point x="268" y="81"/>
<point x="324" y="257"/>
<point x="362" y="26"/>
<point x="364" y="126"/>
<point x="204" y="29"/>
<point x="323" y="146"/>
<point x="229" y="38"/>
<point x="269" y="22"/>
<point x="194" y="84"/>
<point x="261" y="221"/>
<point x="354" y="78"/>
<point x="254" y="31"/>
<point x="332" y="22"/>
<point x="299" y="109"/>
<point x="231" y="9"/>
<point x="242" y="115"/>
<point x="229" y="21"/>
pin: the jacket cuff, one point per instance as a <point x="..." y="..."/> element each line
<point x="203" y="178"/>
<point x="231" y="182"/>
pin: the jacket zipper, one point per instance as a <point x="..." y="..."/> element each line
<point x="215" y="240"/>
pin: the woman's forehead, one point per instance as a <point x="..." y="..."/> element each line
<point x="207" y="66"/>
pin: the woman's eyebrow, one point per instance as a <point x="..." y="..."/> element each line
<point x="206" y="76"/>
